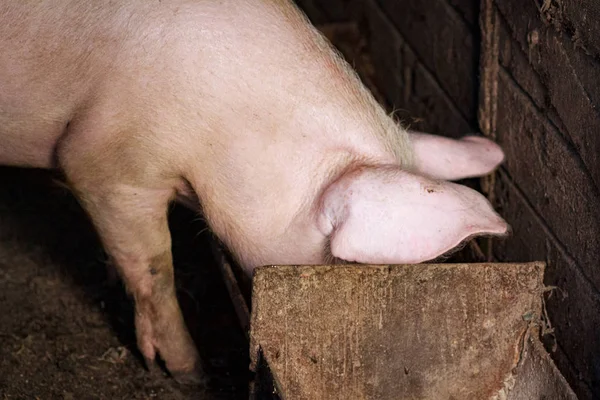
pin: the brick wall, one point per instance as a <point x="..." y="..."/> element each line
<point x="426" y="70"/>
<point x="528" y="76"/>
<point x="540" y="100"/>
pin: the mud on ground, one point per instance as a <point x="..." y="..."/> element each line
<point x="66" y="333"/>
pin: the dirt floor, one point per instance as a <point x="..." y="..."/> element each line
<point x="65" y="333"/>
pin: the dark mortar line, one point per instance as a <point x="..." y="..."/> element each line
<point x="566" y="139"/>
<point x="574" y="369"/>
<point x="380" y="10"/>
<point x="562" y="32"/>
<point x="570" y="260"/>
<point x="575" y="75"/>
<point x="567" y="29"/>
<point x="566" y="135"/>
<point x="472" y="27"/>
<point x="561" y="35"/>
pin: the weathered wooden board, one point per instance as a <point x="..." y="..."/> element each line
<point x="540" y="98"/>
<point x="415" y="92"/>
<point x="559" y="51"/>
<point x="427" y="331"/>
<point x="541" y="153"/>
<point x="444" y="41"/>
<point x="426" y="70"/>
<point x="572" y="306"/>
<point x="536" y="377"/>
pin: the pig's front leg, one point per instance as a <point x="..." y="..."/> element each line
<point x="130" y="215"/>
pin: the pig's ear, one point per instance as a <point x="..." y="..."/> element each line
<point x="451" y="159"/>
<point x="384" y="215"/>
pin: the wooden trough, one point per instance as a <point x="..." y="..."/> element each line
<point x="426" y="331"/>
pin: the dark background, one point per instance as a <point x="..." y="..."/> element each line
<point x="524" y="73"/>
<point x="527" y="74"/>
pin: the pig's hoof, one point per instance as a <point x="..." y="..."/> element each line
<point x="153" y="367"/>
<point x="194" y="377"/>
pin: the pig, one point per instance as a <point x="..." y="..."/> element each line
<point x="242" y="110"/>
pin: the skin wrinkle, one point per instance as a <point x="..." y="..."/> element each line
<point x="427" y="222"/>
<point x="240" y="108"/>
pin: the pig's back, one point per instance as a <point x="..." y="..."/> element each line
<point x="286" y="117"/>
<point x="242" y="99"/>
<point x="64" y="59"/>
<point x="43" y="75"/>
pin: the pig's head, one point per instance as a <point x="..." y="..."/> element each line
<point x="387" y="215"/>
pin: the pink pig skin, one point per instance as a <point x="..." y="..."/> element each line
<point x="241" y="106"/>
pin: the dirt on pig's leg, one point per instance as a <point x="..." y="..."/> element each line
<point x="129" y="209"/>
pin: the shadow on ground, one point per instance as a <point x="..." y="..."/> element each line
<point x="66" y="333"/>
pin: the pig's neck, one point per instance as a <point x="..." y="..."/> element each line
<point x="260" y="192"/>
<point x="279" y="123"/>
